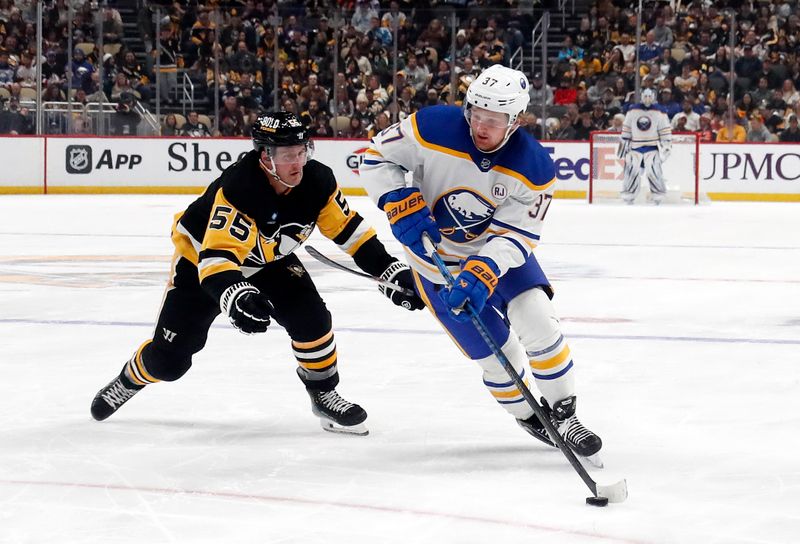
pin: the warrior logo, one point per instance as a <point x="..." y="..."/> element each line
<point x="462" y="215"/>
<point x="643" y="123"/>
<point x="79" y="159"/>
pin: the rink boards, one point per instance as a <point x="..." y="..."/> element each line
<point x="88" y="164"/>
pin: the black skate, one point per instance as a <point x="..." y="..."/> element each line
<point x="336" y="415"/>
<point x="109" y="399"/>
<point x="533" y="426"/>
<point x="580" y="439"/>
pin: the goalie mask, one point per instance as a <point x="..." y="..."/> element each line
<point x="284" y="139"/>
<point x="648" y="97"/>
<point x="502" y="90"/>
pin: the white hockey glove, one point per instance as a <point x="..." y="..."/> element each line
<point x="664" y="151"/>
<point x="623" y="148"/>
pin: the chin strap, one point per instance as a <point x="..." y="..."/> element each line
<point x="274" y="172"/>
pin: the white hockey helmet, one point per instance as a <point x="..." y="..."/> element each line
<point x="499" y="89"/>
<point x="648" y="97"/>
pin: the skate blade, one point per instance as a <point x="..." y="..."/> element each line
<point x="593" y="461"/>
<point x="332" y="427"/>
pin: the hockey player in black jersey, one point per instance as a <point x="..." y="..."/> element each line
<point x="235" y="254"/>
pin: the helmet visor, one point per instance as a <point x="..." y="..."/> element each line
<point x="490" y="119"/>
<point x="291" y="154"/>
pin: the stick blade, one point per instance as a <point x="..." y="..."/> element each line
<point x="617" y="492"/>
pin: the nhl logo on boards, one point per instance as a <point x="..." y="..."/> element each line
<point x="499" y="191"/>
<point x="79" y="159"/>
<point x="643" y="123"/>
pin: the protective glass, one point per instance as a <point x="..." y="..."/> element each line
<point x="490" y="119"/>
<point x="292" y="154"/>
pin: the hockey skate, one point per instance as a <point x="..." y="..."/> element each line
<point x="110" y="398"/>
<point x="336" y="415"/>
<point x="581" y="440"/>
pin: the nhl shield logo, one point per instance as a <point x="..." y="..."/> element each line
<point x="485" y="164"/>
<point x="79" y="159"/>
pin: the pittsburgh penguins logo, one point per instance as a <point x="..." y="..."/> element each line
<point x="643" y="123"/>
<point x="462" y="215"/>
<point x="278" y="241"/>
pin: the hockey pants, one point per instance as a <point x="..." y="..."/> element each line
<point x="522" y="320"/>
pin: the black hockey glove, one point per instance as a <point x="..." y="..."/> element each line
<point x="246" y="307"/>
<point x="400" y="274"/>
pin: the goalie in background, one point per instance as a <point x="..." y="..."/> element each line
<point x="645" y="144"/>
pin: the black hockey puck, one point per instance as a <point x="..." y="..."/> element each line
<point x="597" y="501"/>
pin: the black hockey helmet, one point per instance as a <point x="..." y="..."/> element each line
<point x="278" y="129"/>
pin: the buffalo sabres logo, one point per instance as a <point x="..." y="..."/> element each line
<point x="462" y="215"/>
<point x="643" y="122"/>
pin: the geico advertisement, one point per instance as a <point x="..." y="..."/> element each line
<point x="22" y="162"/>
<point x="171" y="162"/>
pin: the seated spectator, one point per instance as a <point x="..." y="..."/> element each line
<point x="231" y="119"/>
<point x="416" y="76"/>
<point x="540" y="93"/>
<point x="617" y="122"/>
<point x="357" y="129"/>
<point x="692" y="123"/>
<point x="170" y="126"/>
<point x="381" y="123"/>
<point x="731" y="132"/>
<point x="600" y="117"/>
<point x="313" y="91"/>
<point x="6" y="70"/>
<point x="569" y="52"/>
<point x="121" y="85"/>
<point x="792" y="132"/>
<point x="125" y="120"/>
<point x="649" y="50"/>
<point x="758" y="132"/>
<point x="789" y="92"/>
<point x="566" y="93"/>
<point x="706" y="131"/>
<point x="194" y="128"/>
<point x="51" y="68"/>
<point x="667" y="103"/>
<point x="13" y="120"/>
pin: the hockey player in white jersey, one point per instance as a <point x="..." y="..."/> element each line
<point x="481" y="189"/>
<point x="645" y="144"/>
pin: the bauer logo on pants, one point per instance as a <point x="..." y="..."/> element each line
<point x="79" y="159"/>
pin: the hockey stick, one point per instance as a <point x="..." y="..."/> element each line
<point x="330" y="262"/>
<point x="617" y="492"/>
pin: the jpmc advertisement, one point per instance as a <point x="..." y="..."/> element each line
<point x="91" y="164"/>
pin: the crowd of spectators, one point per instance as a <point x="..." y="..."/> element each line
<point x="684" y="53"/>
<point x="685" y="56"/>
<point x="352" y="96"/>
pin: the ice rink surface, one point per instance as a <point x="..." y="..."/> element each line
<point x="684" y="323"/>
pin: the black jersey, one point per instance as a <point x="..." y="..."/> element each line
<point x="240" y="224"/>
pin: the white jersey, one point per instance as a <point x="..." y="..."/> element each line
<point x="646" y="127"/>
<point x="488" y="204"/>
